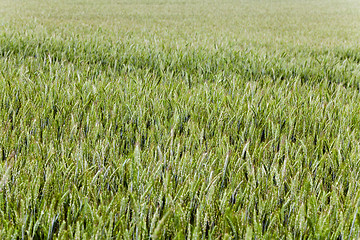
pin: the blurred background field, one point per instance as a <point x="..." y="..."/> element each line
<point x="304" y="23"/>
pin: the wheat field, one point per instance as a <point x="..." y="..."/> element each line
<point x="179" y="119"/>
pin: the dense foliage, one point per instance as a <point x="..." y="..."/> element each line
<point x="139" y="135"/>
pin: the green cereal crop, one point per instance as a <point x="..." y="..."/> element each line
<point x="154" y="119"/>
